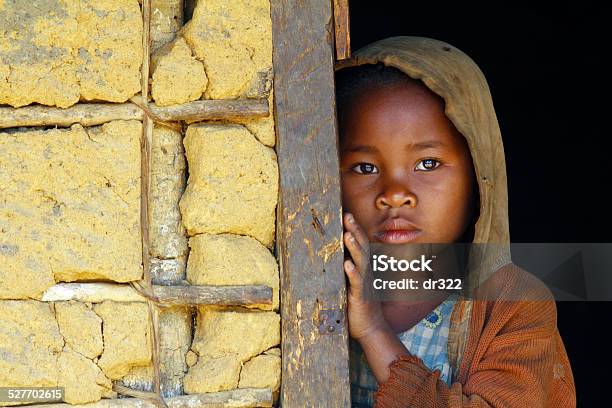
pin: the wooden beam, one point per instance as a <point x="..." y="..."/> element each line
<point x="96" y="292"/>
<point x="87" y="114"/>
<point x="342" y="29"/>
<point x="309" y="223"/>
<point x="145" y="187"/>
<point x="237" y="398"/>
<point x="207" y="109"/>
<point x="228" y="295"/>
<point x="91" y="114"/>
<point x="93" y="292"/>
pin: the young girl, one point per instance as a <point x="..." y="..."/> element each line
<point x="422" y="161"/>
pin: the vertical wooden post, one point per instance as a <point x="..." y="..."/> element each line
<point x="342" y="28"/>
<point x="309" y="228"/>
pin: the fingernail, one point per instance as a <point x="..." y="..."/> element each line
<point x="349" y="266"/>
<point x="351" y="238"/>
<point x="351" y="219"/>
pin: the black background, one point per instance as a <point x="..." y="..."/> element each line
<point x="545" y="67"/>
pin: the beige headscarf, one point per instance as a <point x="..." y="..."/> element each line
<point x="453" y="75"/>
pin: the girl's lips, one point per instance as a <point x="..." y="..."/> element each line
<point x="398" y="236"/>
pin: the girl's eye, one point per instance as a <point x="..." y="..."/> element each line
<point x="365" y="168"/>
<point x="427" y="164"/>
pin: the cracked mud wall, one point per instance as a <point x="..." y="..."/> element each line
<point x="71" y="213"/>
<point x="79" y="346"/>
<point x="233" y="183"/>
<point x="71" y="198"/>
<point x="57" y="52"/>
<point x="65" y="192"/>
<point x="233" y="42"/>
<point x="229" y="204"/>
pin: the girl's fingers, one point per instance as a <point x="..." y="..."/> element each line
<point x="355" y="279"/>
<point x="357" y="242"/>
<point x="354" y="248"/>
<point x="352" y="226"/>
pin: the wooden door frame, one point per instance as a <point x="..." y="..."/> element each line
<point x="309" y="246"/>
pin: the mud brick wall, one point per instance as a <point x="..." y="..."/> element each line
<point x="70" y="199"/>
<point x="65" y="192"/>
<point x="59" y="52"/>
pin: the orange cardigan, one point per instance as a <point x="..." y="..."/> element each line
<point x="514" y="356"/>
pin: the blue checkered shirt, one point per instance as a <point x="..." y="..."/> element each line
<point x="427" y="340"/>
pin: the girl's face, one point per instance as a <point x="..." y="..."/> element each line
<point x="406" y="172"/>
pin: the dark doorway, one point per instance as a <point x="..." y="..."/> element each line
<point x="546" y="67"/>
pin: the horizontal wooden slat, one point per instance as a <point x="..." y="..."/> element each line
<point x="239" y="295"/>
<point x="208" y="109"/>
<point x="96" y="292"/>
<point x="91" y="114"/>
<point x="87" y="114"/>
<point x="238" y="398"/>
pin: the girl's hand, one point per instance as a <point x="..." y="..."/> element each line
<point x="364" y="311"/>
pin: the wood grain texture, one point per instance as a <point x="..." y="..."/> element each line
<point x="95" y="292"/>
<point x="208" y="109"/>
<point x="87" y="114"/>
<point x="342" y="28"/>
<point x="309" y="223"/>
<point x="145" y="187"/>
<point x="91" y="114"/>
<point x="239" y="295"/>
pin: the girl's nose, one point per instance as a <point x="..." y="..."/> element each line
<point x="396" y="196"/>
